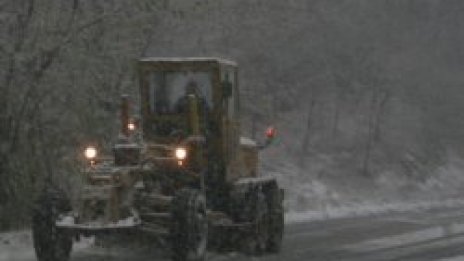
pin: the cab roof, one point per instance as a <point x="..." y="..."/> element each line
<point x="186" y="59"/>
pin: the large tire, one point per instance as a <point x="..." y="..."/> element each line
<point x="189" y="226"/>
<point x="276" y="220"/>
<point x="258" y="215"/>
<point x="50" y="242"/>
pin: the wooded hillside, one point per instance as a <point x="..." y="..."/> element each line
<point x="361" y="91"/>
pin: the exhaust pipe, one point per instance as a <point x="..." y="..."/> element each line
<point x="194" y="118"/>
<point x="125" y="115"/>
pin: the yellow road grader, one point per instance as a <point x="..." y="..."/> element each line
<point x="180" y="171"/>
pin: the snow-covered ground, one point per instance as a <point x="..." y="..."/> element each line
<point x="17" y="246"/>
<point x="12" y="246"/>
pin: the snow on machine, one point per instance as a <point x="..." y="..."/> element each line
<point x="180" y="171"/>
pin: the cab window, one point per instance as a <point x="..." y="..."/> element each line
<point x="166" y="89"/>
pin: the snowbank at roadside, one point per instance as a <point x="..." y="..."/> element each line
<point x="368" y="209"/>
<point x="12" y="246"/>
<point x="325" y="186"/>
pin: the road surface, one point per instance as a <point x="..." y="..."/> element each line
<point x="436" y="234"/>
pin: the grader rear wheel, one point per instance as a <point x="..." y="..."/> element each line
<point x="258" y="235"/>
<point x="276" y="220"/>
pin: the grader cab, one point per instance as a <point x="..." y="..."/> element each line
<point x="179" y="171"/>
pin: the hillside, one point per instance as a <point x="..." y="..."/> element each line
<point x="366" y="95"/>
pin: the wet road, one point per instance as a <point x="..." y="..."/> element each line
<point x="436" y="234"/>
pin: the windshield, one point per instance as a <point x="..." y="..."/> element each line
<point x="167" y="89"/>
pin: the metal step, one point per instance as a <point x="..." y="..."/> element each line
<point x="153" y="215"/>
<point x="153" y="229"/>
<point x="156" y="217"/>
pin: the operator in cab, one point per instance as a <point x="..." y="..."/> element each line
<point x="182" y="104"/>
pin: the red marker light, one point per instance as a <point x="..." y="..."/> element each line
<point x="270" y="132"/>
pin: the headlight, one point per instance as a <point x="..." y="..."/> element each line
<point x="131" y="126"/>
<point x="90" y="153"/>
<point x="181" y="153"/>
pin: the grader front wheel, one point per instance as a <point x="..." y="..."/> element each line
<point x="189" y="227"/>
<point x="50" y="242"/>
